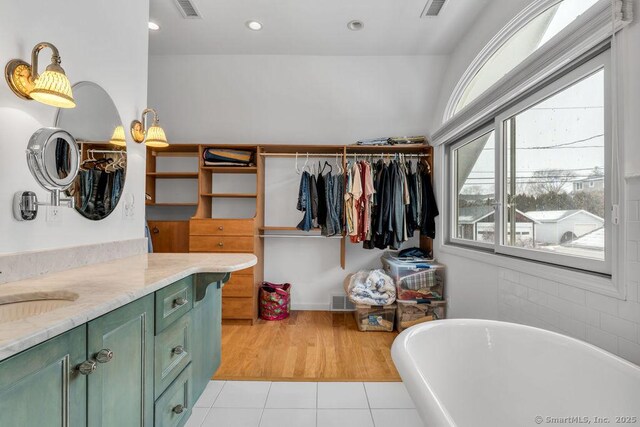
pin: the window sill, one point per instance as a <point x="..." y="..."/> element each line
<point x="588" y="281"/>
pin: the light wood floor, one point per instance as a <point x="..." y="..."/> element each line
<point x="309" y="346"/>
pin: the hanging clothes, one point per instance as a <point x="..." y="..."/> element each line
<point x="429" y="205"/>
<point x="304" y="202"/>
<point x="356" y="194"/>
<point x="322" y="200"/>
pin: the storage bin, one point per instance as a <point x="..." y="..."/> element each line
<point x="398" y="268"/>
<point x="375" y="318"/>
<point x="409" y="314"/>
<point x="425" y="284"/>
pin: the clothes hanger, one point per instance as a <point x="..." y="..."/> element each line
<point x="298" y="171"/>
<point x="338" y="166"/>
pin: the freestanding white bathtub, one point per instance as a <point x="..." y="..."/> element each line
<point x="488" y="373"/>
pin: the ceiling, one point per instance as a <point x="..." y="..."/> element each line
<point x="311" y="27"/>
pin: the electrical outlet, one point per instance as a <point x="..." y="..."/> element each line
<point x="54" y="214"/>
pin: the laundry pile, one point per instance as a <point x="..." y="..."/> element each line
<point x="370" y="287"/>
<point x="386" y="202"/>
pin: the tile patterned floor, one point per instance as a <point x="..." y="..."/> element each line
<point x="304" y="404"/>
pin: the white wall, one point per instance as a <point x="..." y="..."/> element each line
<point x="103" y="42"/>
<point x="488" y="291"/>
<point x="296" y="100"/>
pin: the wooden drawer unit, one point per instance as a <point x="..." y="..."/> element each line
<point x="245" y="272"/>
<point x="238" y="286"/>
<point x="221" y="227"/>
<point x="221" y="244"/>
<point x="238" y="308"/>
<point x="172" y="302"/>
<point x="173" y="353"/>
<point x="173" y="408"/>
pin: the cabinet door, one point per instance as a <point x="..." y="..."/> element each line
<point x="170" y="236"/>
<point x="40" y="387"/>
<point x="120" y="391"/>
<point x="207" y="333"/>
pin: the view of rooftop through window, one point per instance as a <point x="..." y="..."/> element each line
<point x="555" y="175"/>
<point x="522" y="44"/>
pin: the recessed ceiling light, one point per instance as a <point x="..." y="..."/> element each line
<point x="153" y="26"/>
<point x="355" y="25"/>
<point x="254" y="25"/>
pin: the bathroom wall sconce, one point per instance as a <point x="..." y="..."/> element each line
<point x="51" y="87"/>
<point x="154" y="134"/>
<point x="118" y="138"/>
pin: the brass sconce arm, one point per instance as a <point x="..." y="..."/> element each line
<point x="154" y="134"/>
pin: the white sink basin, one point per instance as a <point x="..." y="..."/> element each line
<point x="20" y="306"/>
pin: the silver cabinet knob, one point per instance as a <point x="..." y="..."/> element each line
<point x="179" y="301"/>
<point x="221" y="228"/>
<point x="104" y="355"/>
<point x="87" y="367"/>
<point x="178" y="409"/>
<point x="178" y="350"/>
<point x="221" y="244"/>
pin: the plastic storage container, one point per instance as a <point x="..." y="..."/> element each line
<point x="398" y="267"/>
<point x="427" y="284"/>
<point x="410" y="314"/>
<point x="375" y="318"/>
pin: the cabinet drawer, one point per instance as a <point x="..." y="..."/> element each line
<point x="237" y="308"/>
<point x="173" y="408"/>
<point x="172" y="353"/>
<point x="169" y="236"/>
<point x="173" y="302"/>
<point x="238" y="286"/>
<point x="220" y="244"/>
<point x="229" y="227"/>
<point x="245" y="272"/>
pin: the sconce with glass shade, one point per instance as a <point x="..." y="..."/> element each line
<point x="118" y="137"/>
<point x="51" y="87"/>
<point x="153" y="136"/>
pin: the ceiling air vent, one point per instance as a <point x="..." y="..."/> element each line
<point x="432" y="8"/>
<point x="188" y="9"/>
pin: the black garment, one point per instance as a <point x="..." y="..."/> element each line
<point x="429" y="207"/>
<point x="322" y="200"/>
<point x="384" y="223"/>
<point x="100" y="208"/>
<point x="313" y="190"/>
<point x="412" y="207"/>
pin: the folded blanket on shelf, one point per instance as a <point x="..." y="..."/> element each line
<point x="227" y="156"/>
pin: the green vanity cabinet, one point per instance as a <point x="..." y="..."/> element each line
<point x="143" y="364"/>
<point x="39" y="387"/>
<point x="120" y="391"/>
<point x="207" y="319"/>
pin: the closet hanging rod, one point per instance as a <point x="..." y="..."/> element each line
<point x="297" y="236"/>
<point x="388" y="154"/>
<point x="107" y="151"/>
<point x="301" y="155"/>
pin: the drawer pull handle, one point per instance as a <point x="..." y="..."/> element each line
<point x="221" y="244"/>
<point x="179" y="301"/>
<point x="87" y="367"/>
<point x="155" y="230"/>
<point x="221" y="228"/>
<point x="104" y="356"/>
<point x="178" y="409"/>
<point x="178" y="350"/>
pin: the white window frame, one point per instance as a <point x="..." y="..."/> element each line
<point x="452" y="220"/>
<point x="600" y="62"/>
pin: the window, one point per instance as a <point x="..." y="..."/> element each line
<point x="519" y="184"/>
<point x="511" y="49"/>
<point x="474" y="170"/>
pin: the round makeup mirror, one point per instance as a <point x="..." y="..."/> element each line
<point x="53" y="158"/>
<point x="97" y="128"/>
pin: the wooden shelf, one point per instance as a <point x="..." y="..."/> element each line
<point x="230" y="195"/>
<point x="172" y="204"/>
<point x="276" y="228"/>
<point x="173" y="175"/>
<point x="230" y="169"/>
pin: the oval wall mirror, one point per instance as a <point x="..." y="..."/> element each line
<point x="96" y="126"/>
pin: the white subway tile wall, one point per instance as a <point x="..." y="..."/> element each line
<point x="603" y="321"/>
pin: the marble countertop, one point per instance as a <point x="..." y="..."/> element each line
<point x="101" y="288"/>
